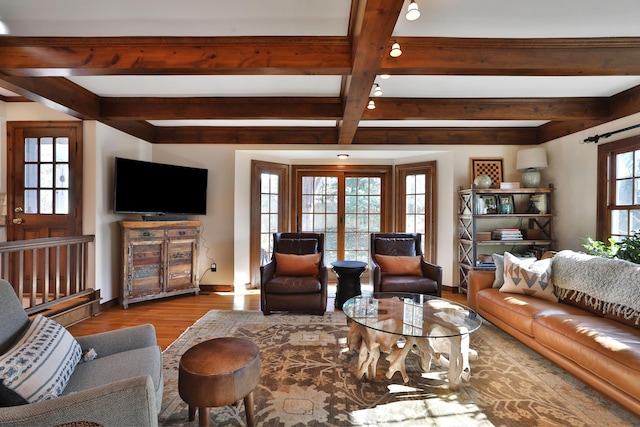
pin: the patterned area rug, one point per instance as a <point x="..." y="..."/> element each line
<point x="307" y="378"/>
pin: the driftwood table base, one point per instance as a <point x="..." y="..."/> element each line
<point x="371" y="343"/>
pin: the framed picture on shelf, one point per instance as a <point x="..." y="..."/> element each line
<point x="538" y="204"/>
<point x="506" y="205"/>
<point x="490" y="204"/>
<point x="489" y="167"/>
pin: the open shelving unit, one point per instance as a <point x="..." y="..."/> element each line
<point x="531" y="213"/>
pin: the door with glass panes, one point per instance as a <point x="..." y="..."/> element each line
<point x="344" y="205"/>
<point x="44" y="191"/>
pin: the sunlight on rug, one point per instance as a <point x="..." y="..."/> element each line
<point x="308" y="378"/>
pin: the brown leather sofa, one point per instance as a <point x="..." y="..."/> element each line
<point x="295" y="283"/>
<point x="427" y="277"/>
<point x="603" y="350"/>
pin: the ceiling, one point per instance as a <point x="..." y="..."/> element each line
<point x="302" y="71"/>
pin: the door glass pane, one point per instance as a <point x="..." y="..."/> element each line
<point x="46" y="175"/>
<point x="62" y="150"/>
<point x="31" y="176"/>
<point x="415" y="204"/>
<point x="31" y="201"/>
<point x="46" y="149"/>
<point x="46" y="201"/>
<point x="62" y="202"/>
<point x="62" y="176"/>
<point x="31" y="149"/>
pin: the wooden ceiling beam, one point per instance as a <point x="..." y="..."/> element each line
<point x="63" y="56"/>
<point x="316" y="108"/>
<point x="488" y="109"/>
<point x="447" y="136"/>
<point x="329" y="136"/>
<point x="145" y="108"/>
<point x="605" y="56"/>
<point x="371" y="31"/>
<point x="65" y="96"/>
<point x="68" y="56"/>
<point x="622" y="105"/>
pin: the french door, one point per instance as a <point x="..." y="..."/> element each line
<point x="344" y="205"/>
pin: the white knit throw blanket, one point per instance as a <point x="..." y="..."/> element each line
<point x="607" y="285"/>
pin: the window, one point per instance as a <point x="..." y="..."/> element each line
<point x="618" y="189"/>
<point x="269" y="211"/>
<point x="415" y="183"/>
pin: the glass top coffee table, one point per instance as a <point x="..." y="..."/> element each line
<point x="434" y="328"/>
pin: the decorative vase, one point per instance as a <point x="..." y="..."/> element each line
<point x="482" y="181"/>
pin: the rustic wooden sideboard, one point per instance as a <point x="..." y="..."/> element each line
<point x="159" y="259"/>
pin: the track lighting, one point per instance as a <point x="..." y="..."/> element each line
<point x="343" y="156"/>
<point x="371" y="105"/>
<point x="385" y="76"/>
<point x="412" y="11"/>
<point x="377" y="90"/>
<point x="395" y="50"/>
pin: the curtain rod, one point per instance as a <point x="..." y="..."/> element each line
<point x="596" y="138"/>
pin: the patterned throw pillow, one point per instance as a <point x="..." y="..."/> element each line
<point x="498" y="260"/>
<point x="522" y="277"/>
<point x="38" y="366"/>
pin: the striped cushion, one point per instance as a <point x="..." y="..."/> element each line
<point x="39" y="365"/>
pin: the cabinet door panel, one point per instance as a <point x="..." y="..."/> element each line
<point x="145" y="267"/>
<point x="181" y="264"/>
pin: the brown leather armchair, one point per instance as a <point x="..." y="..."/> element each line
<point x="410" y="273"/>
<point x="295" y="279"/>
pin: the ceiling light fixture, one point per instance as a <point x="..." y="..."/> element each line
<point x="377" y="90"/>
<point x="395" y="50"/>
<point x="385" y="76"/>
<point x="343" y="156"/>
<point x="412" y="11"/>
<point x="371" y="105"/>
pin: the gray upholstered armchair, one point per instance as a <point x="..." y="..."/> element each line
<point x="121" y="386"/>
<point x="398" y="265"/>
<point x="296" y="278"/>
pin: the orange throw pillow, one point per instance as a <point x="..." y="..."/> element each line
<point x="400" y="265"/>
<point x="297" y="265"/>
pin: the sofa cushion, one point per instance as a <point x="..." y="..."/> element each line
<point x="522" y="277"/>
<point x="519" y="310"/>
<point x="297" y="265"/>
<point x="39" y="365"/>
<point x="604" y="347"/>
<point x="399" y="265"/>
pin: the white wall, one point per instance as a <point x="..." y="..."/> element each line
<point x="225" y="230"/>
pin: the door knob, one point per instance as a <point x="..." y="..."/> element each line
<point x="18" y="209"/>
<point x="17" y="221"/>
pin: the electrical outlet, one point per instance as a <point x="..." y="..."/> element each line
<point x="213" y="267"/>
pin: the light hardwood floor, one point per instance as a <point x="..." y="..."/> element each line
<point x="171" y="316"/>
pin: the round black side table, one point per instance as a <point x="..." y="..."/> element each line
<point x="348" y="273"/>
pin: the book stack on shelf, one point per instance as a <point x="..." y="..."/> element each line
<point x="506" y="234"/>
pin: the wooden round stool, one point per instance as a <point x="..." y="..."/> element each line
<point x="219" y="372"/>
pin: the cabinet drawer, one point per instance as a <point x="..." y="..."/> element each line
<point x="145" y="233"/>
<point x="182" y="232"/>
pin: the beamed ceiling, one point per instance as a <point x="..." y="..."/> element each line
<point x="471" y="72"/>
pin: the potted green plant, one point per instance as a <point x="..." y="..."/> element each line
<point x="627" y="249"/>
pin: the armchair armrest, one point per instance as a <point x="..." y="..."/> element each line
<point x="375" y="274"/>
<point x="433" y="272"/>
<point x="112" y="342"/>
<point x="267" y="271"/>
<point x="123" y="403"/>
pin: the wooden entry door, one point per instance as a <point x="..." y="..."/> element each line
<point x="44" y="189"/>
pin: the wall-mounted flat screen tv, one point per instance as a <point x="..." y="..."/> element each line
<point x="150" y="188"/>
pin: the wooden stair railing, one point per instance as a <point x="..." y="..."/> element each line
<point x="49" y="276"/>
